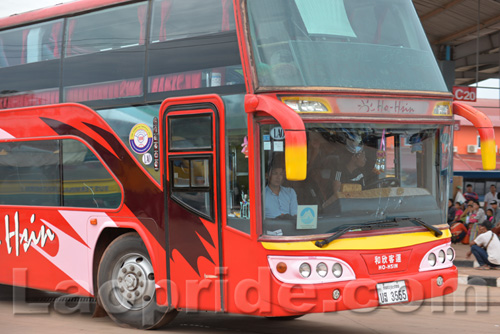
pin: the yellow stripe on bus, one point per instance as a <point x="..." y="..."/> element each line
<point x="364" y="243"/>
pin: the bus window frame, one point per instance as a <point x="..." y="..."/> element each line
<point x="91" y="149"/>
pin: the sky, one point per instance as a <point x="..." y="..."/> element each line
<point x="492" y="92"/>
<point x="9" y="7"/>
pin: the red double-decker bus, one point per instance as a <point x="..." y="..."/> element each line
<point x="272" y="158"/>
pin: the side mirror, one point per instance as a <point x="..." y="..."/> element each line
<point x="485" y="129"/>
<point x="295" y="132"/>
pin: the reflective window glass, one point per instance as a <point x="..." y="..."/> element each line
<point x="30" y="173"/>
<point x="86" y="182"/>
<point x="189" y="133"/>
<point x="105" y="30"/>
<point x="191" y="184"/>
<point x="31" y="44"/>
<point x="55" y="173"/>
<point x="176" y="19"/>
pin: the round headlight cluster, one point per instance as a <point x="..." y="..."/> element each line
<point x="311" y="269"/>
<point x="432" y="259"/>
<point x="321" y="269"/>
<point x="450" y="254"/>
<point x="337" y="270"/>
<point x="441" y="257"/>
<point x="305" y="270"/>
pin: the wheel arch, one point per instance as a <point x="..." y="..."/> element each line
<point x="107" y="257"/>
<point x="106" y="237"/>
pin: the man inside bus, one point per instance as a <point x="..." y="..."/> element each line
<point x="280" y="202"/>
<point x="350" y="172"/>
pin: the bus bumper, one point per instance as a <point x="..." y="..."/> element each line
<point x="357" y="294"/>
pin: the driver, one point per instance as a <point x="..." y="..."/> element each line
<point x="280" y="202"/>
<point x="350" y="172"/>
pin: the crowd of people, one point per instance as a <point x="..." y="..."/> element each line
<point x="477" y="226"/>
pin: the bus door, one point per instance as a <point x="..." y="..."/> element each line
<point x="192" y="195"/>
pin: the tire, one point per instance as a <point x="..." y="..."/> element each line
<point x="126" y="285"/>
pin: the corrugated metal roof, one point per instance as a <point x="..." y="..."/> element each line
<point x="454" y="24"/>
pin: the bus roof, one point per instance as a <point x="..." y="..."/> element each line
<point x="59" y="10"/>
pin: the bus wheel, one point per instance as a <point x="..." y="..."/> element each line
<point x="127" y="285"/>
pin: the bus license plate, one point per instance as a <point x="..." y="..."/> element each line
<point x="392" y="292"/>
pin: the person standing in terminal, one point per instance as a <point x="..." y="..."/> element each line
<point x="470" y="194"/>
<point x="492" y="195"/>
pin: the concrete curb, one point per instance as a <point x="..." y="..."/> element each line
<point x="475" y="279"/>
<point x="479" y="280"/>
<point x="463" y="263"/>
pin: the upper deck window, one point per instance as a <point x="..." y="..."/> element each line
<point x="193" y="47"/>
<point x="177" y="19"/>
<point x="31" y="44"/>
<point x="338" y="43"/>
<point x="111" y="29"/>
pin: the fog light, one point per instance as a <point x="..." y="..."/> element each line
<point x="336" y="294"/>
<point x="337" y="270"/>
<point x="441" y="256"/>
<point x="432" y="259"/>
<point x="305" y="270"/>
<point x="281" y="267"/>
<point x="440" y="281"/>
<point x="450" y="254"/>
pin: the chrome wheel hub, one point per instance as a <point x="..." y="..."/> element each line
<point x="133" y="284"/>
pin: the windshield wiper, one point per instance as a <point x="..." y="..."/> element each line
<point x="389" y="222"/>
<point x="418" y="221"/>
<point x="346" y="228"/>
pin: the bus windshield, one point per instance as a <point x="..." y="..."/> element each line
<point x="357" y="173"/>
<point x="337" y="43"/>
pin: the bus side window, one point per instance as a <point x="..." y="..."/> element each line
<point x="110" y="29"/>
<point x="181" y="29"/>
<point x="3" y="59"/>
<point x="176" y="19"/>
<point x="31" y="173"/>
<point x="32" y="176"/>
<point x="238" y="200"/>
<point x="191" y="183"/>
<point x="86" y="182"/>
<point x="31" y="44"/>
<point x="12" y="46"/>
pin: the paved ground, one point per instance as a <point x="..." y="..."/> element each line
<point x="471" y="309"/>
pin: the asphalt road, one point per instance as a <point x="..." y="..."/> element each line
<point x="471" y="310"/>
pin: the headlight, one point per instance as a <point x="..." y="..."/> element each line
<point x="337" y="270"/>
<point x="322" y="269"/>
<point x="432" y="259"/>
<point x="441" y="256"/>
<point x="442" y="109"/>
<point x="450" y="254"/>
<point x="305" y="270"/>
<point x="307" y="104"/>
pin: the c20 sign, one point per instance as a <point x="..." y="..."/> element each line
<point x="464" y="93"/>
